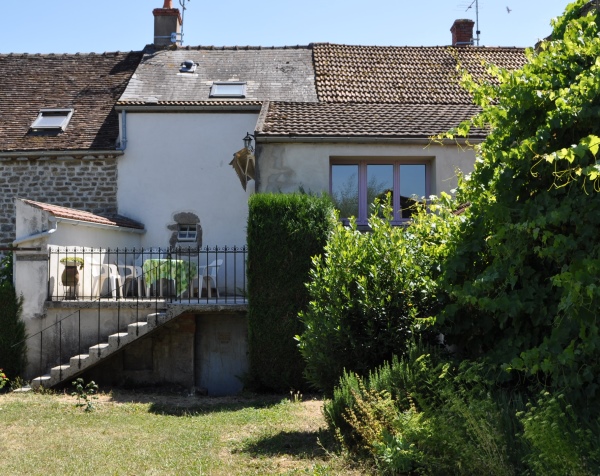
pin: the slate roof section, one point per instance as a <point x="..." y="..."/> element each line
<point x="80" y="215"/>
<point x="278" y="73"/>
<point x="89" y="83"/>
<point x="403" y="74"/>
<point x="415" y="121"/>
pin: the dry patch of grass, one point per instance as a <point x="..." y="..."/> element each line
<point x="133" y="433"/>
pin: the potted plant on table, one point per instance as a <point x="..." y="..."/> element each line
<point x="70" y="275"/>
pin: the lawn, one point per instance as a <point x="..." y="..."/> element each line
<point x="140" y="433"/>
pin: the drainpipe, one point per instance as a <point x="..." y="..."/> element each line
<point x="123" y="144"/>
<point x="36" y="236"/>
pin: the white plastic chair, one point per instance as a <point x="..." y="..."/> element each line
<point x="155" y="253"/>
<point x="130" y="274"/>
<point x="101" y="272"/>
<point x="209" y="276"/>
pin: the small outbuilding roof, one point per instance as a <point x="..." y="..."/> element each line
<point x="83" y="216"/>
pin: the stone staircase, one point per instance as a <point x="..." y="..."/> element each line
<point x="79" y="363"/>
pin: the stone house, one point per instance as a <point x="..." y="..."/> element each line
<point x="151" y="137"/>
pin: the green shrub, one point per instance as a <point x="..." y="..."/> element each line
<point x="560" y="443"/>
<point x="423" y="415"/>
<point x="284" y="233"/>
<point x="370" y="292"/>
<point x="12" y="328"/>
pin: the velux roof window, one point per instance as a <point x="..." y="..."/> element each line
<point x="228" y="90"/>
<point x="52" y="120"/>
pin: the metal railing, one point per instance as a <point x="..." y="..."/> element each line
<point x="142" y="281"/>
<point x="208" y="274"/>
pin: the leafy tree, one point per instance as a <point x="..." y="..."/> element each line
<point x="523" y="272"/>
<point x="12" y="328"/>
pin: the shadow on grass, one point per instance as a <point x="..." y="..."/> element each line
<point x="175" y="402"/>
<point x="203" y="408"/>
<point x="299" y="444"/>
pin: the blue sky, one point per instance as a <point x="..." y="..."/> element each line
<point x="70" y="26"/>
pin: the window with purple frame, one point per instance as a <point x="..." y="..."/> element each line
<point x="355" y="186"/>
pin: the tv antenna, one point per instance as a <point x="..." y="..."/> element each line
<point x="476" y="3"/>
<point x="183" y="9"/>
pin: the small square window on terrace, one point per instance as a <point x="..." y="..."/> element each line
<point x="187" y="233"/>
<point x="51" y="120"/>
<point x="228" y="90"/>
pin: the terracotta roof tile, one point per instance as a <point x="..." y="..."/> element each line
<point x="364" y="120"/>
<point x="89" y="83"/>
<point x="80" y="215"/>
<point x="403" y="74"/>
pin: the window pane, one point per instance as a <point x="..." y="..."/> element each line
<point x="380" y="182"/>
<point x="344" y="189"/>
<point x="412" y="182"/>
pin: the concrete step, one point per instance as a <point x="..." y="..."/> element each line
<point x="44" y="380"/>
<point x="119" y="339"/>
<point x="60" y="370"/>
<point x="77" y="359"/>
<point x="98" y="348"/>
<point x="138" y="328"/>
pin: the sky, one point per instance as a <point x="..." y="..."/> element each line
<point x="71" y="26"/>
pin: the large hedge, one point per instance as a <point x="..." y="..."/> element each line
<point x="284" y="232"/>
<point x="12" y="328"/>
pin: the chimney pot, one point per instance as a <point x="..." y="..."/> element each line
<point x="168" y="4"/>
<point x="462" y="32"/>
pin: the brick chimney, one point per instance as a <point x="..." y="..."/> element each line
<point x="167" y="20"/>
<point x="462" y="32"/>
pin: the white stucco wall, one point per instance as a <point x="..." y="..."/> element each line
<point x="179" y="162"/>
<point x="284" y="167"/>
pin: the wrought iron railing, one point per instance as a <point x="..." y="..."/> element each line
<point x="208" y="274"/>
<point x="132" y="284"/>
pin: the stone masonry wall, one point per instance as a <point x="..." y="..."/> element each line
<point x="86" y="183"/>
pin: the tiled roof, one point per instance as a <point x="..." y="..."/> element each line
<point x="278" y="74"/>
<point x="364" y="120"/>
<point x="80" y="215"/>
<point x="89" y="83"/>
<point x="402" y="74"/>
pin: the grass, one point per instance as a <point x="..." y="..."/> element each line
<point x="132" y="433"/>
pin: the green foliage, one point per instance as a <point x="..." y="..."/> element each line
<point x="85" y="394"/>
<point x="12" y="327"/>
<point x="560" y="442"/>
<point x="423" y="415"/>
<point x="523" y="270"/>
<point x="370" y="292"/>
<point x="284" y="233"/>
<point x="3" y="379"/>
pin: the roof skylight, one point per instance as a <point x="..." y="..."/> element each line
<point x="228" y="90"/>
<point x="52" y="120"/>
